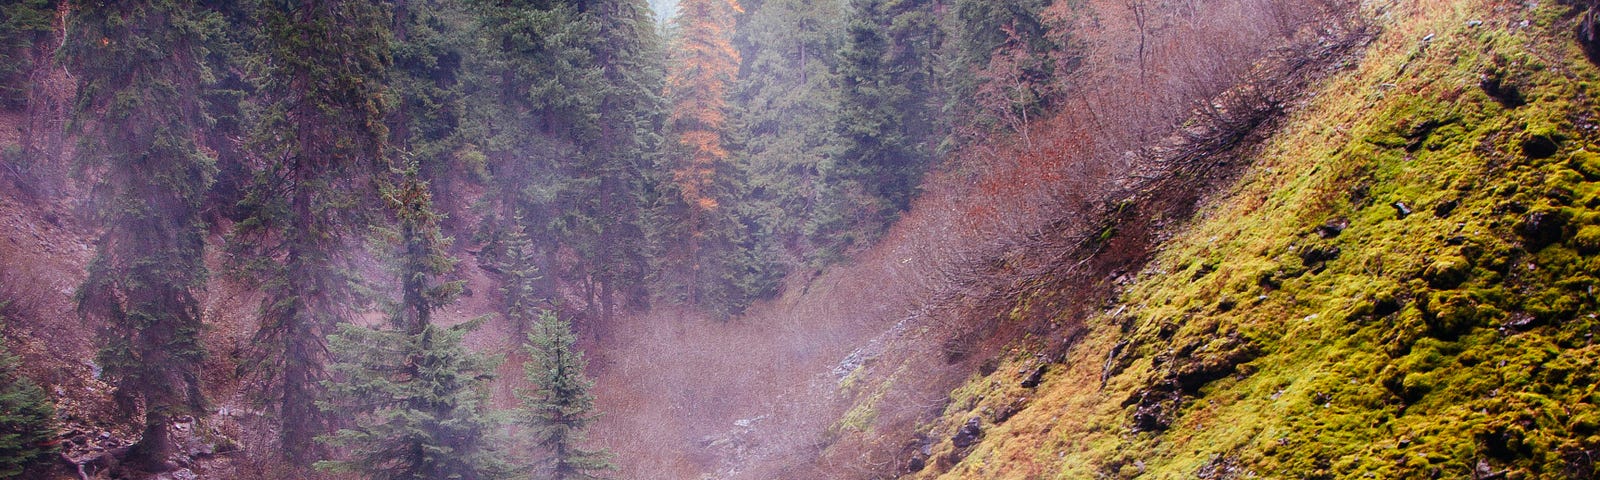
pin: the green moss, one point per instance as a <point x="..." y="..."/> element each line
<point x="1429" y="343"/>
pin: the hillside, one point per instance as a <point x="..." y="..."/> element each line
<point x="840" y="239"/>
<point x="1399" y="286"/>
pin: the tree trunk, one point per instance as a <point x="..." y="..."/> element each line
<point x="153" y="453"/>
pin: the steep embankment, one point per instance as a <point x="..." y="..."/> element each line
<point x="1400" y="286"/>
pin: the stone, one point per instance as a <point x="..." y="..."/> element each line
<point x="968" y="434"/>
<point x="1035" y="377"/>
<point x="1401" y="209"/>
<point x="1332" y="228"/>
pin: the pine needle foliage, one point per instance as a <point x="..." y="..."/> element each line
<point x="416" y="395"/>
<point x="559" y="411"/>
<point x="418" y="404"/>
<point x="23" y="24"/>
<point x="27" y="419"/>
<point x="519" y="269"/>
<point x="320" y="141"/>
<point x="140" y="67"/>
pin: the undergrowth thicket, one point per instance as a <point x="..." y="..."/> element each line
<point x="1401" y="286"/>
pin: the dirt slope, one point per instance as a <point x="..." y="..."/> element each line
<point x="1400" y="286"/>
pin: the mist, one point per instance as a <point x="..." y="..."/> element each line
<point x="552" y="238"/>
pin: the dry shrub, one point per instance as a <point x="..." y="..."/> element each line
<point x="758" y="397"/>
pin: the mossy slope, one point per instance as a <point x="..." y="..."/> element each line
<point x="1402" y="286"/>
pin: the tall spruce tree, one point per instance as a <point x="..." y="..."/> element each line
<point x="138" y="113"/>
<point x="321" y="141"/>
<point x="415" y="393"/>
<point x="569" y="112"/>
<point x="702" y="70"/>
<point x="609" y="233"/>
<point x="560" y="409"/>
<point x="537" y="103"/>
<point x="27" y="418"/>
<point x="23" y="25"/>
<point x="517" y="263"/>
<point x="428" y="84"/>
<point x="786" y="98"/>
<point x="885" y="123"/>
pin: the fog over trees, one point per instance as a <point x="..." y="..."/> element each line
<point x="408" y="199"/>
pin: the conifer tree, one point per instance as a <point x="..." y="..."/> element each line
<point x="786" y="102"/>
<point x="611" y="197"/>
<point x="138" y="112"/>
<point x="27" y="419"/>
<point x="1005" y="58"/>
<point x="519" y="276"/>
<point x="560" y="409"/>
<point x="702" y="70"/>
<point x="320" y="141"/>
<point x="885" y="122"/>
<point x="413" y="390"/>
<point x="23" y="23"/>
<point x="430" y="45"/>
<point x="570" y="113"/>
<point x="540" y="102"/>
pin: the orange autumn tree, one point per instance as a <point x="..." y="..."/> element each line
<point x="704" y="64"/>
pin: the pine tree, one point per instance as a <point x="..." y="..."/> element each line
<point x="885" y="123"/>
<point x="519" y="272"/>
<point x="786" y="100"/>
<point x="539" y="105"/>
<point x="23" y="24"/>
<point x="428" y="81"/>
<point x="703" y="68"/>
<point x="414" y="391"/>
<point x="321" y="142"/>
<point x="27" y="419"/>
<point x="611" y="197"/>
<point x="138" y="112"/>
<point x="560" y="408"/>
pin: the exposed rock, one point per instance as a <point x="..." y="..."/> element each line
<point x="916" y="454"/>
<point x="1401" y="209"/>
<point x="1221" y="467"/>
<point x="916" y="464"/>
<point x="1154" y="410"/>
<point x="1112" y="366"/>
<point x="1542" y="228"/>
<point x="968" y="434"/>
<point x="179" y="474"/>
<point x="1332" y="228"/>
<point x="1035" y="377"/>
<point x="1589" y="34"/>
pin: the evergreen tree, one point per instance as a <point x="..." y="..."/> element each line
<point x="414" y="391"/>
<point x="609" y="238"/>
<point x="1005" y="59"/>
<point x="885" y="123"/>
<point x="519" y="272"/>
<point x="226" y="93"/>
<point x="427" y="120"/>
<point x="539" y="103"/>
<point x="570" y="113"/>
<point x="321" y="142"/>
<point x="138" y="112"/>
<point x="27" y="419"/>
<point x="23" y="24"/>
<point x="786" y="101"/>
<point x="702" y="70"/>
<point x="560" y="408"/>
